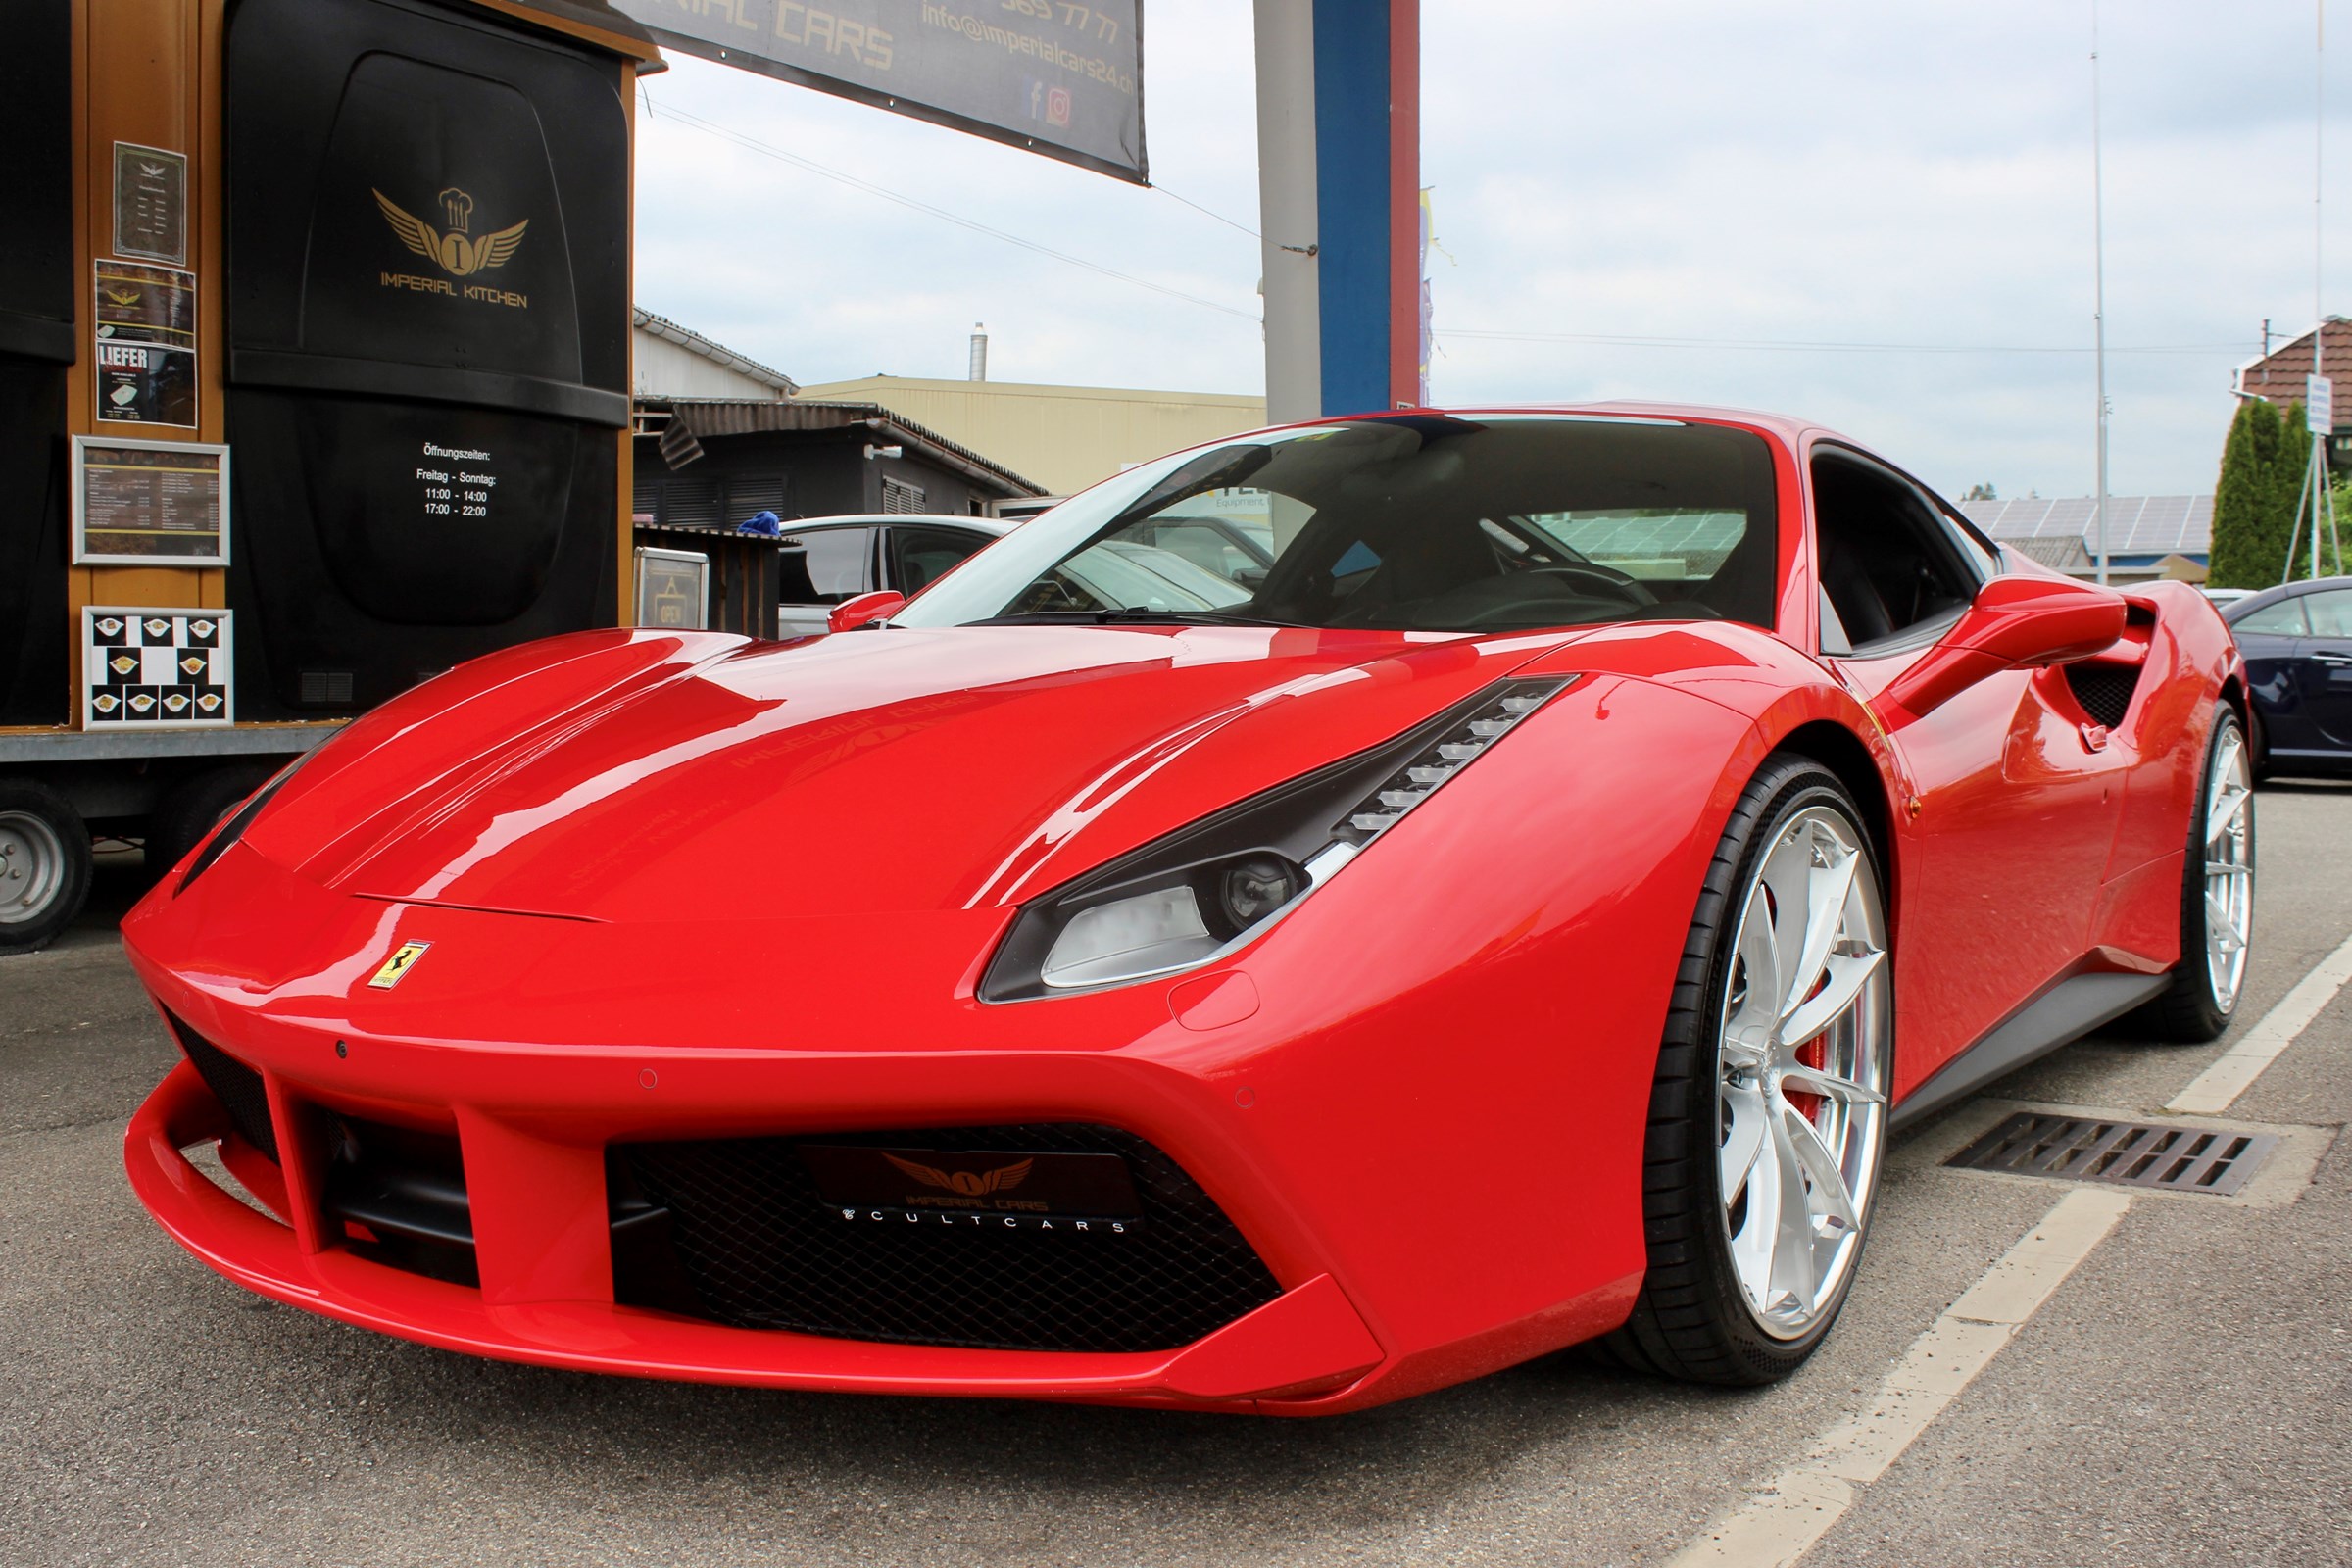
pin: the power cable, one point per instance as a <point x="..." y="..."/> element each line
<point x="1615" y="340"/>
<point x="753" y="144"/>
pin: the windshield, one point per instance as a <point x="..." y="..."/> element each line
<point x="1413" y="522"/>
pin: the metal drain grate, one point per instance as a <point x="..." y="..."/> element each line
<point x="2174" y="1160"/>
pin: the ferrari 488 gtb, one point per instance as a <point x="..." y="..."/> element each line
<point x="1313" y="920"/>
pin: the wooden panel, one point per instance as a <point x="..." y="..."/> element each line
<point x="149" y="73"/>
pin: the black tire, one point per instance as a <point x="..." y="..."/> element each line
<point x="2258" y="746"/>
<point x="45" y="864"/>
<point x="2188" y="1011"/>
<point x="1691" y="1320"/>
<point x="193" y="807"/>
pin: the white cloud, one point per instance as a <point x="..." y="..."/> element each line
<point x="1725" y="169"/>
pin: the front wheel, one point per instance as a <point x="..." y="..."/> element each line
<point x="2217" y="895"/>
<point x="1768" y="1119"/>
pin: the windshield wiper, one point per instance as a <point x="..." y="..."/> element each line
<point x="1127" y="617"/>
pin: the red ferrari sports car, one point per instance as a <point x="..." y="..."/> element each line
<point x="1513" y="917"/>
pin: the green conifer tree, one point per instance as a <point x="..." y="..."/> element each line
<point x="2250" y="518"/>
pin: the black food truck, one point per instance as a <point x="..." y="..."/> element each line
<point x="314" y="381"/>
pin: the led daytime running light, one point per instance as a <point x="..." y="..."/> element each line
<point x="1422" y="778"/>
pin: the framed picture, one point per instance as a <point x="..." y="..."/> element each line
<point x="673" y="589"/>
<point x="149" y="503"/>
<point x="156" y="668"/>
<point x="151" y="203"/>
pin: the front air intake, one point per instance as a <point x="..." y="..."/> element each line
<point x="737" y="1231"/>
<point x="237" y="1087"/>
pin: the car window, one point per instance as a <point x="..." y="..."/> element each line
<point x="1208" y="545"/>
<point x="2330" y="613"/>
<point x="1121" y="574"/>
<point x="1415" y="523"/>
<point x="920" y="557"/>
<point x="1891" y="567"/>
<point x="2282" y="619"/>
<point x="840" y="562"/>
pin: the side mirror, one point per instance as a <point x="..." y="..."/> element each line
<point x="2015" y="623"/>
<point x="863" y="611"/>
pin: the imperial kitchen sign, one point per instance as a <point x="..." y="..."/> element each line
<point x="1050" y="76"/>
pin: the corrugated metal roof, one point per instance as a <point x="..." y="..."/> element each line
<point x="2136" y="525"/>
<point x="716" y="416"/>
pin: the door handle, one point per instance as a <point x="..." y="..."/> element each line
<point x="2332" y="659"/>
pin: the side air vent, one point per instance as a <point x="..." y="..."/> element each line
<point x="2103" y="690"/>
<point x="237" y="1086"/>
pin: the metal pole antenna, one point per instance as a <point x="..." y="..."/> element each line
<point x="2098" y="251"/>
<point x="2320" y="439"/>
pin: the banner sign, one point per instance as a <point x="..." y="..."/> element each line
<point x="1054" y="76"/>
<point x="2318" y="404"/>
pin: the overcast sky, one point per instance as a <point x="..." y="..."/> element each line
<point x="1737" y="171"/>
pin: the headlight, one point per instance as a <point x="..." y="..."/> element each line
<point x="228" y="832"/>
<point x="1189" y="897"/>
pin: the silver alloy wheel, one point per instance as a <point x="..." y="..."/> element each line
<point x="32" y="867"/>
<point x="2229" y="868"/>
<point x="1801" y="1092"/>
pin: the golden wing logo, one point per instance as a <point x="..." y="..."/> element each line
<point x="965" y="1183"/>
<point x="453" y="251"/>
<point x="396" y="967"/>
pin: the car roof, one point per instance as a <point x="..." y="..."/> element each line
<point x="928" y="519"/>
<point x="2263" y="600"/>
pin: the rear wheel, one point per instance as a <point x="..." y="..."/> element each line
<point x="2217" y="895"/>
<point x="45" y="864"/>
<point x="1768" y="1121"/>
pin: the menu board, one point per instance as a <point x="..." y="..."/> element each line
<point x="150" y="503"/>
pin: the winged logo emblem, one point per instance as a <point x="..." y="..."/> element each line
<point x="966" y="1183"/>
<point x="455" y="251"/>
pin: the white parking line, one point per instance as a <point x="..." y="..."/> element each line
<point x="1798" y="1506"/>
<point x="2214" y="1090"/>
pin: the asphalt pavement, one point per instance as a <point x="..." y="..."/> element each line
<point x="2184" y="1397"/>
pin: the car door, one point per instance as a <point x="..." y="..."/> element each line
<point x="838" y="563"/>
<point x="2270" y="637"/>
<point x="2015" y="791"/>
<point x="2323" y="667"/>
<point x="915" y="557"/>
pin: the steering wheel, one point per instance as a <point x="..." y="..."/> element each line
<point x="1608" y="580"/>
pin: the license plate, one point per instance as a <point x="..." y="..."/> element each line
<point x="996" y="1188"/>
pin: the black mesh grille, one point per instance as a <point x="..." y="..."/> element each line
<point x="235" y="1085"/>
<point x="2103" y="690"/>
<point x="757" y="1247"/>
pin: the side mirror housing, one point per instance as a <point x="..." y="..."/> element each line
<point x="863" y="611"/>
<point x="2015" y="623"/>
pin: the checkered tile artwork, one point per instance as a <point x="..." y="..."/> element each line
<point x="155" y="668"/>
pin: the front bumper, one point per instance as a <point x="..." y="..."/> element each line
<point x="539" y="1044"/>
<point x="1308" y="1341"/>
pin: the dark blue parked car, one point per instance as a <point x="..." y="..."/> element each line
<point x="2298" y="645"/>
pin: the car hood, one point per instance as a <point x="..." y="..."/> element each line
<point x="641" y="776"/>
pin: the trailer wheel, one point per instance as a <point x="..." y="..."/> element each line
<point x="193" y="807"/>
<point x="45" y="863"/>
